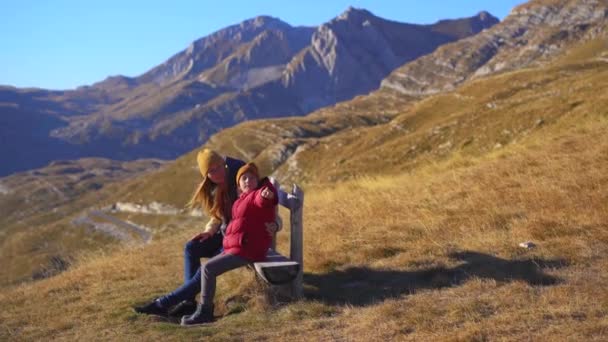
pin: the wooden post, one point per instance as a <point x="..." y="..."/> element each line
<point x="283" y="276"/>
<point x="283" y="201"/>
<point x="273" y="244"/>
<point x="296" y="252"/>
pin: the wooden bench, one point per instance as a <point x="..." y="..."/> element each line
<point x="284" y="275"/>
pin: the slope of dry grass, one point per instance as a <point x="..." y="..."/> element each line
<point x="425" y="255"/>
<point x="36" y="207"/>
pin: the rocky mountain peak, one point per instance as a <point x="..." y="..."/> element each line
<point x="354" y="14"/>
<point x="353" y="52"/>
<point x="208" y="51"/>
<point x="264" y="22"/>
<point x="486" y="16"/>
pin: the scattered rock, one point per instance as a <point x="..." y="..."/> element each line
<point x="70" y="170"/>
<point x="122" y="230"/>
<point x="196" y="212"/>
<point x="527" y="245"/>
<point x="152" y="208"/>
<point x="4" y="190"/>
<point x="445" y="145"/>
<point x="56" y="265"/>
<point x="466" y="142"/>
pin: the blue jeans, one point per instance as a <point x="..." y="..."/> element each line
<point x="193" y="252"/>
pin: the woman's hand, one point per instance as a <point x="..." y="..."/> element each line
<point x="201" y="236"/>
<point x="267" y="194"/>
<point x="271" y="227"/>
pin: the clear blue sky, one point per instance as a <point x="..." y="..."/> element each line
<point x="62" y="44"/>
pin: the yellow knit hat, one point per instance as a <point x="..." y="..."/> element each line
<point x="249" y="167"/>
<point x="207" y="158"/>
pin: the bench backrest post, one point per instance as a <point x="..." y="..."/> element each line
<point x="273" y="244"/>
<point x="296" y="252"/>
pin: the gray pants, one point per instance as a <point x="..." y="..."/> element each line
<point x="214" y="267"/>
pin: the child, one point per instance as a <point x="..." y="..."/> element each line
<point x="246" y="239"/>
<point x="246" y="235"/>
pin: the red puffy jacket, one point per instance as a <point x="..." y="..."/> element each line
<point x="246" y="234"/>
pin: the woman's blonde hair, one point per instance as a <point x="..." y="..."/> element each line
<point x="212" y="198"/>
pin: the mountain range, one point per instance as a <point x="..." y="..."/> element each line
<point x="260" y="68"/>
<point x="392" y="123"/>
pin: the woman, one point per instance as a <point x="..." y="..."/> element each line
<point x="246" y="240"/>
<point x="216" y="195"/>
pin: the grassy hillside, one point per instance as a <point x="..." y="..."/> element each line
<point x="430" y="254"/>
<point x="37" y="236"/>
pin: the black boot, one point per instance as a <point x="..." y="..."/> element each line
<point x="184" y="308"/>
<point x="152" y="308"/>
<point x="202" y="315"/>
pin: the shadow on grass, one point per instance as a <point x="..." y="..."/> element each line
<point x="363" y="285"/>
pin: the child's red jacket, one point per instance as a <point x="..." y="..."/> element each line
<point x="246" y="234"/>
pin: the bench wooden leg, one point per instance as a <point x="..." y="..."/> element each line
<point x="275" y="294"/>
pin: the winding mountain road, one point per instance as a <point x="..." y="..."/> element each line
<point x="122" y="230"/>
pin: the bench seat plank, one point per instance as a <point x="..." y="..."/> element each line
<point x="277" y="269"/>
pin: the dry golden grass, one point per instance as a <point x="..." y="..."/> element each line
<point x="478" y="117"/>
<point x="35" y="228"/>
<point x="429" y="255"/>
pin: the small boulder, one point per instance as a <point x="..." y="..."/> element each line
<point x="527" y="245"/>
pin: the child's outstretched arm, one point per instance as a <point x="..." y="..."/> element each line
<point x="266" y="196"/>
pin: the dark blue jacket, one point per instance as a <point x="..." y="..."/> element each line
<point x="233" y="166"/>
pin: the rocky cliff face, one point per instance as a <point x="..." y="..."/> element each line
<point x="260" y="61"/>
<point x="531" y="34"/>
<point x="212" y="50"/>
<point x="352" y="53"/>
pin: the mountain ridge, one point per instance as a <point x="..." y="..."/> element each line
<point x="479" y="55"/>
<point x="246" y="71"/>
